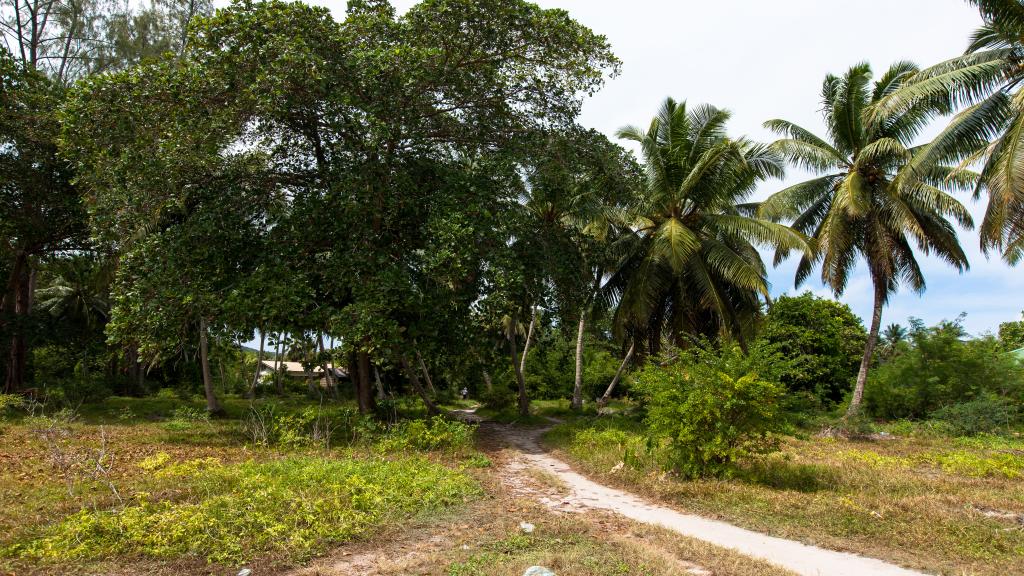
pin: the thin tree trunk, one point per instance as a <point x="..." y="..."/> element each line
<point x="212" y="404"/>
<point x="426" y="374"/>
<point x="278" y="385"/>
<point x="618" y="374"/>
<point x="487" y="380"/>
<point x="529" y="338"/>
<point x="524" y="400"/>
<point x="327" y="367"/>
<point x="380" y="385"/>
<point x="16" y="304"/>
<point x="577" y="389"/>
<point x="364" y="395"/>
<point x="414" y="379"/>
<point x="869" y="349"/>
<point x="259" y="366"/>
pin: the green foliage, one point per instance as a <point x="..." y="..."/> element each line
<point x="986" y="413"/>
<point x="9" y="403"/>
<point x="823" y="341"/>
<point x="714" y="407"/>
<point x="689" y="261"/>
<point x="230" y="513"/>
<point x="438" y="433"/>
<point x="1011" y="334"/>
<point x="941" y="368"/>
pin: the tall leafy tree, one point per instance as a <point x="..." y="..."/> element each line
<point x="868" y="202"/>
<point x="989" y="129"/>
<point x="362" y="127"/>
<point x="690" y="266"/>
<point x="40" y="213"/>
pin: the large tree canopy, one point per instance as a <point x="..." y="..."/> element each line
<point x="380" y="157"/>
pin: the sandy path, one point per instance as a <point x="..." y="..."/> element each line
<point x="583" y="494"/>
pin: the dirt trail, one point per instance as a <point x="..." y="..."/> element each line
<point x="585" y="494"/>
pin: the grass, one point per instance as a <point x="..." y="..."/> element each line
<point x="929" y="502"/>
<point x="132" y="480"/>
<point x="480" y="542"/>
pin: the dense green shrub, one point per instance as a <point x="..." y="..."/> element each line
<point x="230" y="513"/>
<point x="941" y="367"/>
<point x="714" y="406"/>
<point x="986" y="413"/>
<point x="437" y="433"/>
<point x="823" y="341"/>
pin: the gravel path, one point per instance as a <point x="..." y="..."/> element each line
<point x="583" y="494"/>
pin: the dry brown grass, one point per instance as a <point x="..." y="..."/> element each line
<point x="889" y="499"/>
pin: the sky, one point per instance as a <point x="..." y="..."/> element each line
<point x="766" y="59"/>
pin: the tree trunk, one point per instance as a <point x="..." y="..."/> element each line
<point x="364" y="393"/>
<point x="17" y="306"/>
<point x="278" y="385"/>
<point x="212" y="404"/>
<point x="426" y="374"/>
<point x="487" y="380"/>
<point x="869" y="349"/>
<point x="259" y="366"/>
<point x="618" y="374"/>
<point x="529" y="338"/>
<point x="577" y="389"/>
<point x="524" y="400"/>
<point x="380" y="385"/>
<point x="327" y="367"/>
<point x="414" y="379"/>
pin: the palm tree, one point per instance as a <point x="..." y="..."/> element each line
<point x="867" y="202"/>
<point x="689" y="265"/>
<point x="989" y="130"/>
<point x="892" y="337"/>
<point x="77" y="290"/>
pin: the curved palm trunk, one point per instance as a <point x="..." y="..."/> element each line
<point x="524" y="400"/>
<point x="869" y="349"/>
<point x="618" y="374"/>
<point x="212" y="404"/>
<point x="426" y="373"/>
<point x="577" y="389"/>
<point x="529" y="338"/>
<point x="414" y="379"/>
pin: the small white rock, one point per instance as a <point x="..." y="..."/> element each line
<point x="526" y="527"/>
<point x="538" y="571"/>
<point x="244" y="572"/>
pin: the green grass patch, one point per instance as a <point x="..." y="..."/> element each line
<point x="293" y="507"/>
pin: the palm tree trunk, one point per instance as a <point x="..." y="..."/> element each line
<point x="278" y="385"/>
<point x="212" y="404"/>
<point x="577" y="389"/>
<point x="414" y="379"/>
<point x="426" y="374"/>
<point x="327" y="367"/>
<point x="380" y="385"/>
<point x="618" y="374"/>
<point x="259" y="366"/>
<point x="487" y="380"/>
<point x="869" y="349"/>
<point x="529" y="337"/>
<point x="364" y="392"/>
<point x="524" y="400"/>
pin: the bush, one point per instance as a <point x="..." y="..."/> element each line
<point x="714" y="407"/>
<point x="985" y="414"/>
<point x="498" y="398"/>
<point x="434" y="434"/>
<point x="822" y="339"/>
<point x="231" y="513"/>
<point x="941" y="368"/>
